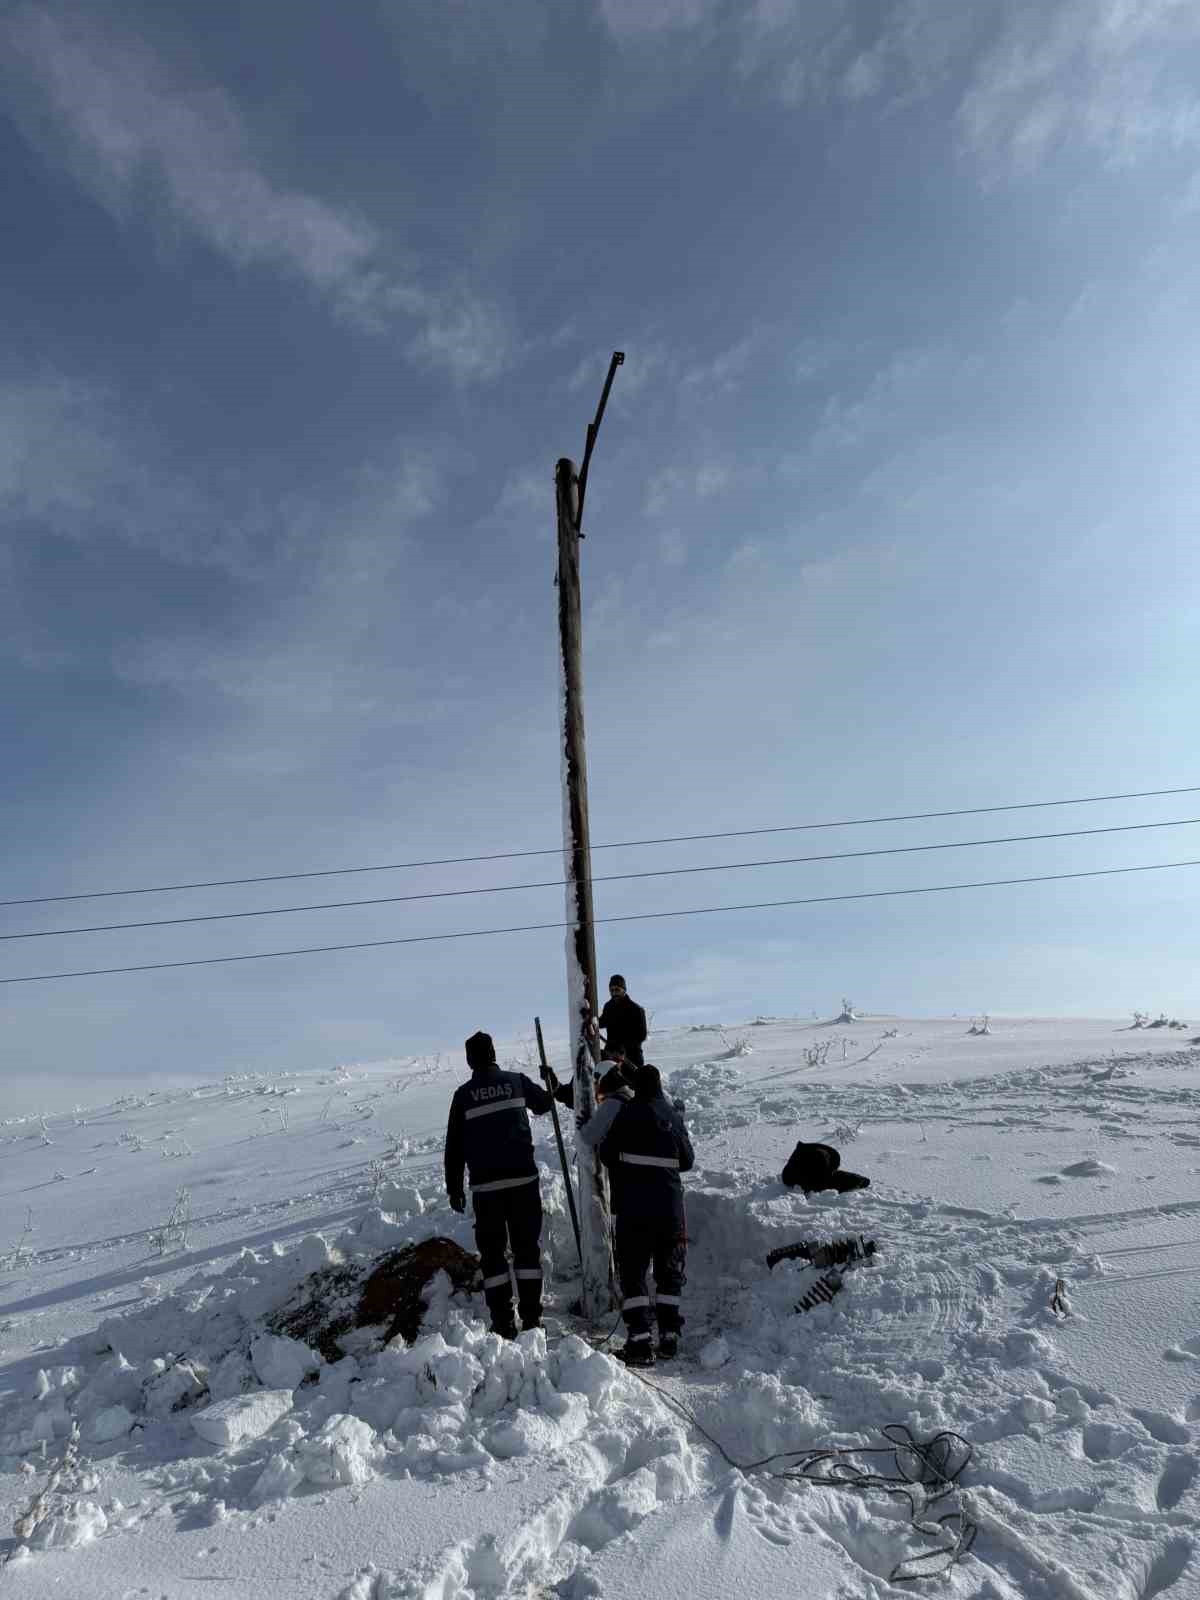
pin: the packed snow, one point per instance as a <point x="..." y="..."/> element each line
<point x="1032" y="1304"/>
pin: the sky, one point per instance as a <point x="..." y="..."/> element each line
<point x="893" y="508"/>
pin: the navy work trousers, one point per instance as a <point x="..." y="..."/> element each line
<point x="510" y="1219"/>
<point x="640" y="1245"/>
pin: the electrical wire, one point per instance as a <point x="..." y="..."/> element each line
<point x="619" y="844"/>
<point x="612" y="877"/>
<point x="640" y="916"/>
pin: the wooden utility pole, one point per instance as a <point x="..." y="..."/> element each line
<point x="594" y="1220"/>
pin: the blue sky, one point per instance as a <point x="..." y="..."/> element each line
<point x="893" y="508"/>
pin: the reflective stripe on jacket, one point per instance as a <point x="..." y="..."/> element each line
<point x="645" y="1152"/>
<point x="488" y="1130"/>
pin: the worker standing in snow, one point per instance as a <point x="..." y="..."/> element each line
<point x="623" y="1022"/>
<point x="646" y="1149"/>
<point x="488" y="1134"/>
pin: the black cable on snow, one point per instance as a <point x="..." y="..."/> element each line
<point x="925" y="1472"/>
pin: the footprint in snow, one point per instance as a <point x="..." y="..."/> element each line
<point x="1167" y="1569"/>
<point x="1178" y="1476"/>
<point x="1162" y="1427"/>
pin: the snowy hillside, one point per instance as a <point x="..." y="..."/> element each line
<point x="148" y="1245"/>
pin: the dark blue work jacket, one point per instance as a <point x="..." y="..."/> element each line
<point x="488" y="1131"/>
<point x="645" y="1152"/>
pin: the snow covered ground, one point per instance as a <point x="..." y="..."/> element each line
<point x="215" y="1456"/>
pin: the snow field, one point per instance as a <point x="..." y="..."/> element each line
<point x="463" y="1467"/>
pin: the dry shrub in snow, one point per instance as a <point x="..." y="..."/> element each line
<point x="61" y="1514"/>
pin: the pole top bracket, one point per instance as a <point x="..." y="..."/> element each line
<point x="618" y="359"/>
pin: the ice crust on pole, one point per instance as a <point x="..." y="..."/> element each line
<point x="594" y="1223"/>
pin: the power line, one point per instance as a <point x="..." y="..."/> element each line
<point x="612" y="877"/>
<point x="640" y="916"/>
<point x="618" y="844"/>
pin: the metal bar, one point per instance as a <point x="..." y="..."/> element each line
<point x="618" y="358"/>
<point x="562" y="1150"/>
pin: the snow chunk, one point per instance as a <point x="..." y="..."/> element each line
<point x="1089" y="1168"/>
<point x="280" y="1362"/>
<point x="174" y="1387"/>
<point x="345" y="1451"/>
<point x="114" y="1422"/>
<point x="715" y="1354"/>
<point x="401" y="1199"/>
<point x="279" y="1478"/>
<point x="242" y="1416"/>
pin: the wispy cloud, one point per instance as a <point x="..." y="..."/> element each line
<point x="73" y="465"/>
<point x="637" y="17"/>
<point x="1108" y="76"/>
<point x="1116" y="77"/>
<point x="70" y="466"/>
<point x="134" y="127"/>
<point x="672" y="484"/>
<point x="889" y="395"/>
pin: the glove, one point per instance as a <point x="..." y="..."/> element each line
<point x="680" y="1106"/>
<point x="458" y="1202"/>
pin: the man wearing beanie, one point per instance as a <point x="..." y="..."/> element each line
<point x="623" y="1022"/>
<point x="488" y="1135"/>
<point x="646" y="1150"/>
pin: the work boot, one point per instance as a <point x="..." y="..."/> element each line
<point x="637" y="1353"/>
<point x="668" y="1345"/>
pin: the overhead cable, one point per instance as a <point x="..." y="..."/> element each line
<point x="640" y="916"/>
<point x="612" y="877"/>
<point x="617" y="844"/>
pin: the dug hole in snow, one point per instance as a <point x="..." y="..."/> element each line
<point x="250" y="1416"/>
<point x="201" y="1370"/>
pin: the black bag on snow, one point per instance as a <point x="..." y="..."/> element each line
<point x="813" y="1167"/>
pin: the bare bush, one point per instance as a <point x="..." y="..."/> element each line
<point x="173" y="1235"/>
<point x="60" y="1500"/>
<point x="19" y="1254"/>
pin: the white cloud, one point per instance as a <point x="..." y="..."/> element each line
<point x="67" y="465"/>
<point x="889" y="395"/>
<point x="1111" y="76"/>
<point x="636" y="17"/>
<point x="1104" y="74"/>
<point x="865" y="74"/>
<point x="133" y="125"/>
<point x="727" y="369"/>
<point x="71" y="465"/>
<point x="528" y="494"/>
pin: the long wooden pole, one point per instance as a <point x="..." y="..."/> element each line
<point x="595" y="1225"/>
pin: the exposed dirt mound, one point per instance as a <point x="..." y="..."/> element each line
<point x="330" y="1303"/>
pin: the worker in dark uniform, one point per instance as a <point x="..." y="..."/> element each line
<point x="623" y="1022"/>
<point x="646" y="1149"/>
<point x="488" y="1134"/>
